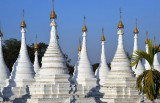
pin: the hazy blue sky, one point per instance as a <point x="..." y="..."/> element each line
<point x="99" y="13"/>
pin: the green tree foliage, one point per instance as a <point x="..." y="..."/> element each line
<point x="95" y="66"/>
<point x="149" y="81"/>
<point x="69" y="66"/>
<point x="30" y="49"/>
<point x="11" y="49"/>
<point x="42" y="48"/>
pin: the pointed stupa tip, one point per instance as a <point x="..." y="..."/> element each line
<point x="23" y="24"/>
<point x="146" y="41"/>
<point x="84" y="29"/>
<point x="36" y="45"/>
<point x="53" y="14"/>
<point x="154" y="46"/>
<point x="120" y="25"/>
<point x="103" y="38"/>
<point x="79" y="48"/>
<point x="136" y="29"/>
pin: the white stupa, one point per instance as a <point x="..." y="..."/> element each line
<point x="156" y="62"/>
<point x="103" y="69"/>
<point x="4" y="71"/>
<point x="140" y="68"/>
<point x="36" y="63"/>
<point x="85" y="75"/>
<point x="52" y="83"/>
<point x="120" y="83"/>
<point x="22" y="74"/>
<point x="147" y="67"/>
<point x="75" y="73"/>
<point x="23" y="68"/>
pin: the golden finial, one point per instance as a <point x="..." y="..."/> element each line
<point x="146" y="41"/>
<point x="53" y="14"/>
<point x="154" y="46"/>
<point x="79" y="48"/>
<point x="57" y="36"/>
<point x="120" y="25"/>
<point x="103" y="38"/>
<point x="36" y="45"/>
<point x="23" y="24"/>
<point x="136" y="29"/>
<point x="84" y="29"/>
<point x="1" y="34"/>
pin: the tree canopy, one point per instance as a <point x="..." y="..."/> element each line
<point x="11" y="50"/>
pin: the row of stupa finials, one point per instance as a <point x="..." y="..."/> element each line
<point x="52" y="84"/>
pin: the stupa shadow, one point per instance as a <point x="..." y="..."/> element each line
<point x="10" y="94"/>
<point x="96" y="94"/>
<point x="7" y="90"/>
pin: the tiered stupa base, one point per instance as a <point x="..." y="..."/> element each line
<point x="57" y="89"/>
<point x="120" y="88"/>
<point x="53" y="88"/>
<point x="17" y="90"/>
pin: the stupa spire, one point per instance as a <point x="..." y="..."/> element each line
<point x="156" y="62"/>
<point x="4" y="71"/>
<point x="120" y="50"/>
<point x="85" y="73"/>
<point x="103" y="69"/>
<point x="23" y="60"/>
<point x="23" y="24"/>
<point x="120" y="25"/>
<point x="147" y="67"/>
<point x="146" y="41"/>
<point x="103" y="38"/>
<point x="53" y="14"/>
<point x="75" y="73"/>
<point x="136" y="29"/>
<point x="36" y="63"/>
<point x="155" y="45"/>
<point x="84" y="29"/>
<point x="140" y="68"/>
<point x="55" y="59"/>
<point x="53" y="77"/>
<point x="79" y="47"/>
<point x="120" y="76"/>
